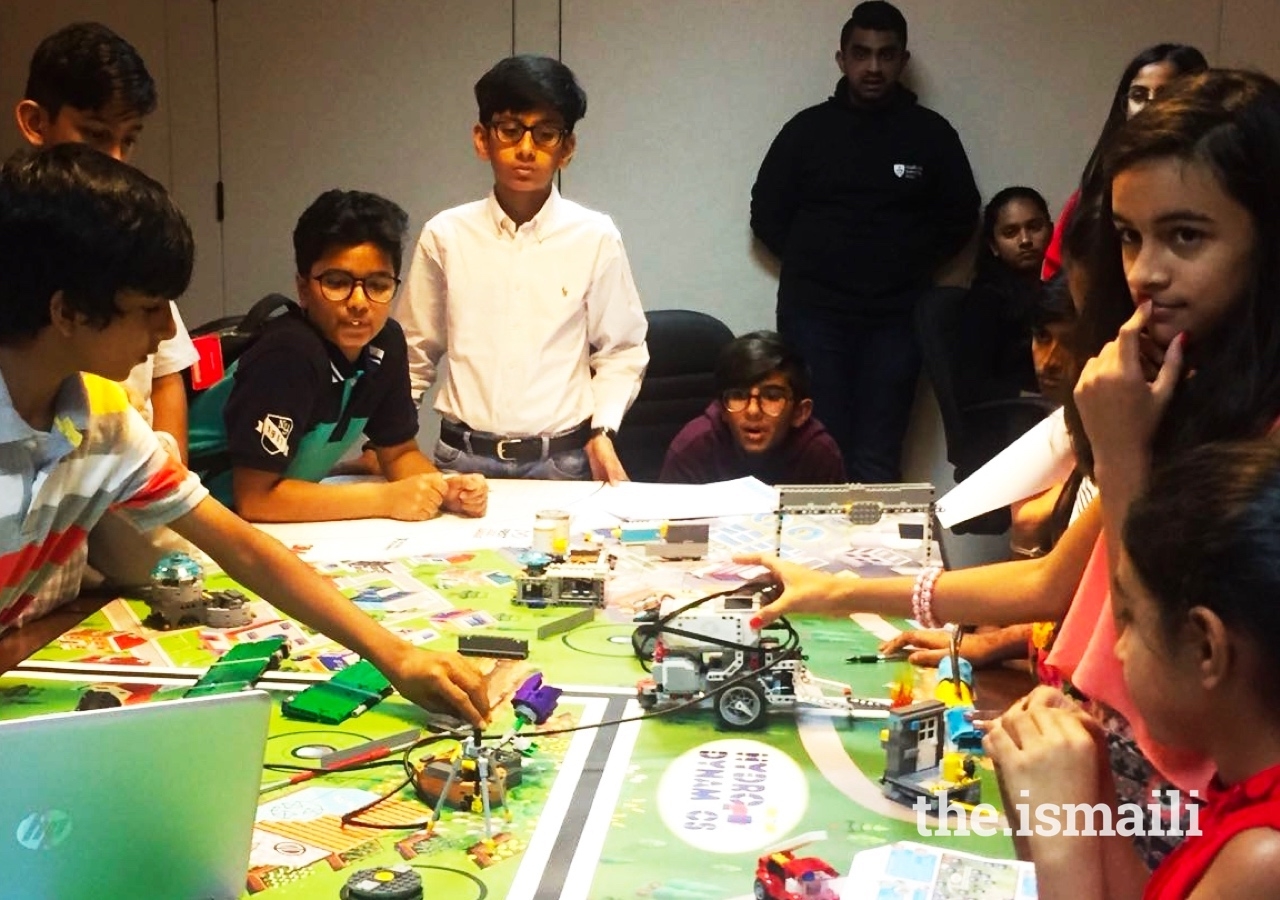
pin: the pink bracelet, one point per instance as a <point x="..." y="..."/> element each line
<point x="922" y="597"/>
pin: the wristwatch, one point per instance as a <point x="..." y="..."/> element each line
<point x="610" y="433"/>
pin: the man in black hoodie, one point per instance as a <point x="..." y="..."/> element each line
<point x="863" y="198"/>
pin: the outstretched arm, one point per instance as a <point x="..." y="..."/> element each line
<point x="1031" y="590"/>
<point x="444" y="682"/>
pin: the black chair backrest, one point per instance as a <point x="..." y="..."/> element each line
<point x="678" y="385"/>
<point x="978" y="431"/>
<point x="238" y="332"/>
<point x="937" y="327"/>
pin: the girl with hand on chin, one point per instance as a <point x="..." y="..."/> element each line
<point x="1193" y="260"/>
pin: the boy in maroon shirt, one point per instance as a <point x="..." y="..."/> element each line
<point x="762" y="425"/>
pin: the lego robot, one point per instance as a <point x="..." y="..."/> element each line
<point x="710" y="649"/>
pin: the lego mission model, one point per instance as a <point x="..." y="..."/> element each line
<point x="178" y="599"/>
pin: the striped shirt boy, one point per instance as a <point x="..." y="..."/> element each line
<point x="55" y="485"/>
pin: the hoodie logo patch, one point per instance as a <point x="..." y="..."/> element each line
<point x="908" y="171"/>
<point x="275" y="434"/>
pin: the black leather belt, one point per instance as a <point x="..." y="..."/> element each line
<point x="514" y="449"/>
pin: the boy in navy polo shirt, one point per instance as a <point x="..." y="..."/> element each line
<point x="321" y="376"/>
<point x="761" y="426"/>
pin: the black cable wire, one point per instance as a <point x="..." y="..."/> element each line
<point x="790" y="649"/>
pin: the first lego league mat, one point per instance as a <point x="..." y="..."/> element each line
<point x="669" y="808"/>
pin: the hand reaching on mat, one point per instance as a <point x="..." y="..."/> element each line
<point x="803" y="590"/>
<point x="444" y="682"/>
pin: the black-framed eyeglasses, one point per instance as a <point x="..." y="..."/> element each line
<point x="771" y="399"/>
<point x="511" y="132"/>
<point x="336" y="285"/>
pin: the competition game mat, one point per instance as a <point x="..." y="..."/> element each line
<point x="665" y="808"/>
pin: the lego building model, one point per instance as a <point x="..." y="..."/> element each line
<point x="477" y="777"/>
<point x="472" y="778"/>
<point x="708" y="648"/>
<point x="178" y="599"/>
<point x="668" y="540"/>
<point x="545" y="583"/>
<point x="920" y="761"/>
<point x="898" y="515"/>
<point x="681" y="540"/>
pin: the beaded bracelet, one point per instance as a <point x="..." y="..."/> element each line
<point x="922" y="597"/>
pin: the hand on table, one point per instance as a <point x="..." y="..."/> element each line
<point x="982" y="648"/>
<point x="467" y="494"/>
<point x="603" y="458"/>
<point x="417" y="497"/>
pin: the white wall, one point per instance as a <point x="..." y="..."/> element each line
<point x="179" y="142"/>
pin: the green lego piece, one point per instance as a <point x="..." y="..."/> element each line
<point x="271" y="648"/>
<point x="239" y="667"/>
<point x="348" y="693"/>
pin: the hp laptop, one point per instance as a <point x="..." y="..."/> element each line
<point x="153" y="801"/>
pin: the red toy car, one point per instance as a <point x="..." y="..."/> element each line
<point x="781" y="875"/>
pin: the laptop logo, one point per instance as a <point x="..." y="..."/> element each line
<point x="44" y="830"/>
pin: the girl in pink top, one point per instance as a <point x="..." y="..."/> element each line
<point x="1198" y="630"/>
<point x="1194" y="195"/>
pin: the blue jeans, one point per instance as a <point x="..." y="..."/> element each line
<point x="864" y="372"/>
<point x="568" y="465"/>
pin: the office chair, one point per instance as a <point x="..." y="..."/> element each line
<point x="235" y="333"/>
<point x="677" y="386"/>
<point x="974" y="431"/>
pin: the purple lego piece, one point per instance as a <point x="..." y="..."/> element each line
<point x="534" y="700"/>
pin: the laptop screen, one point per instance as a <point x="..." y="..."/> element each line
<point x="153" y="801"/>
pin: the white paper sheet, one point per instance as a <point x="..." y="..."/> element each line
<point x="1033" y="463"/>
<point x="637" y="501"/>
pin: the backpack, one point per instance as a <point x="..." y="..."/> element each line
<point x="223" y="341"/>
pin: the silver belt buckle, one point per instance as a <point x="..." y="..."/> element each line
<point x="500" y="449"/>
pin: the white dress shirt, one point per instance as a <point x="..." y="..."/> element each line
<point x="173" y="355"/>
<point x="541" y="324"/>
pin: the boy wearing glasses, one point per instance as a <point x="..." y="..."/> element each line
<point x="318" y="378"/>
<point x="761" y="426"/>
<point x="93" y="252"/>
<point x="530" y="297"/>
